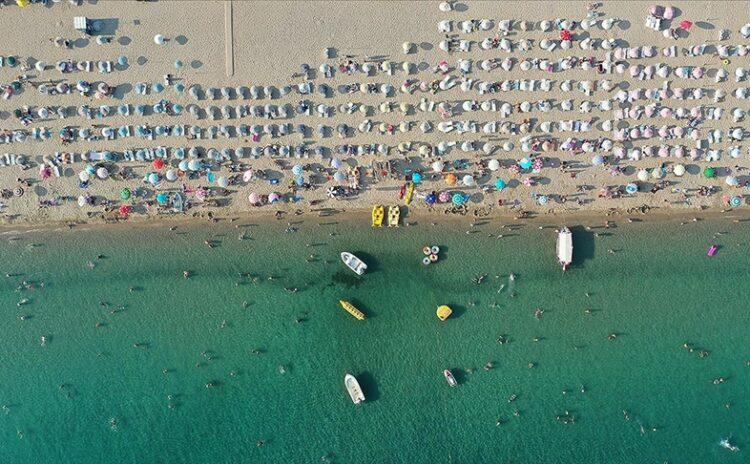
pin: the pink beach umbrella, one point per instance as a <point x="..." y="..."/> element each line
<point x="695" y="134"/>
<point x="696" y="111"/>
<point x="695" y="153"/>
<point x="665" y="112"/>
<point x="678" y="131"/>
<point x="45" y="172"/>
<point x="679" y="92"/>
<point x="635" y="133"/>
<point x="635" y="70"/>
<point x="254" y="199"/>
<point x="649" y="110"/>
<point x="274" y="197"/>
<point x="528" y="182"/>
<point x="620" y="135"/>
<point x="201" y="194"/>
<point x="648" y="150"/>
<point x="679" y="151"/>
<point x="444" y="197"/>
<point x="663" y="151"/>
<point x="247" y="175"/>
<point x="648" y="132"/>
<point x="619" y="152"/>
<point x="697" y="72"/>
<point x="663" y="131"/>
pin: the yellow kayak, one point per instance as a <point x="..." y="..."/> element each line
<point x="443" y="312"/>
<point x="409" y="193"/>
<point x="378" y="213"/>
<point x="349" y="308"/>
<point x="394" y="213"/>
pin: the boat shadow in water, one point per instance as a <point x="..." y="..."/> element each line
<point x="584" y="245"/>
<point x="458" y="311"/>
<point x="369" y="313"/>
<point x="373" y="265"/>
<point x="369" y="386"/>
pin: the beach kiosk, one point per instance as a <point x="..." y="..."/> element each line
<point x="82" y="23"/>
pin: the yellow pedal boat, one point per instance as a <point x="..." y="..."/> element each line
<point x="349" y="308"/>
<point x="378" y="213"/>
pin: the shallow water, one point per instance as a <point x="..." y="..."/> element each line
<point x="656" y="291"/>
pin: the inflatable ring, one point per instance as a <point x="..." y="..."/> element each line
<point x="435" y="249"/>
<point x="426" y="250"/>
<point x="426" y="261"/>
<point x="726" y="61"/>
<point x="433" y="258"/>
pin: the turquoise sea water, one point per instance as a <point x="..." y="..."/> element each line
<point x="656" y="291"/>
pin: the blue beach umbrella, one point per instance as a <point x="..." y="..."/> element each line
<point x="194" y="165"/>
<point x="122" y="60"/>
<point x="631" y="188"/>
<point x="458" y="199"/>
<point x="525" y="163"/>
<point x="735" y="201"/>
<point x="339" y="177"/>
<point x="162" y="198"/>
<point x="178" y="64"/>
<point x="542" y="199"/>
<point x="178" y="153"/>
<point x="416" y="178"/>
<point x="431" y="198"/>
<point x="184" y="165"/>
<point x="210" y="177"/>
<point x="597" y="160"/>
<point x="153" y="178"/>
<point x="177" y="108"/>
<point x="297" y="169"/>
<point x="499" y="184"/>
<point x="158" y="87"/>
<point x="300" y="181"/>
<point x="179" y="87"/>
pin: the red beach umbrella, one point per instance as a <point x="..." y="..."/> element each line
<point x="686" y="25"/>
<point x="565" y="34"/>
<point x="124" y="210"/>
<point x="158" y="163"/>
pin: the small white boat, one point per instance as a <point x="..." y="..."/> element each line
<point x="353" y="263"/>
<point x="725" y="443"/>
<point x="565" y="248"/>
<point x="355" y="391"/>
<point x="449" y="378"/>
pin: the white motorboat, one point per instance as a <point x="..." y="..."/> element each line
<point x="353" y="263"/>
<point x="449" y="378"/>
<point x="565" y="248"/>
<point x="355" y="391"/>
<point x="725" y="443"/>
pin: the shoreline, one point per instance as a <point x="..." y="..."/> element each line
<point x="410" y="219"/>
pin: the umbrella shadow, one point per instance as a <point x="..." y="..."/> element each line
<point x="369" y="386"/>
<point x="584" y="246"/>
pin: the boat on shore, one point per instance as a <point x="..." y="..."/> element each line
<point x="351" y="309"/>
<point x="353" y="388"/>
<point x="394" y="213"/>
<point x="353" y="263"/>
<point x="378" y="213"/>
<point x="449" y="378"/>
<point x="409" y="193"/>
<point x="565" y="248"/>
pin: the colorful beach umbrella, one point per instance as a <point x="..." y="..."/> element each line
<point x="124" y="210"/>
<point x="450" y="179"/>
<point x="525" y="163"/>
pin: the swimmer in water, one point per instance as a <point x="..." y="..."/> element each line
<point x="186" y="274"/>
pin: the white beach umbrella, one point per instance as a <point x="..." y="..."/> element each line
<point x="642" y="175"/>
<point x="679" y="170"/>
<point x="159" y="39"/>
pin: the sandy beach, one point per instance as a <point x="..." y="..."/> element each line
<point x="397" y="138"/>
